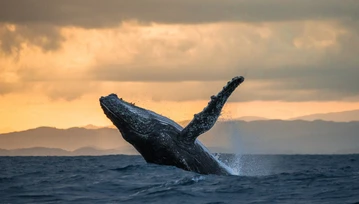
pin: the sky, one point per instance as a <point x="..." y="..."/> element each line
<point x="58" y="57"/>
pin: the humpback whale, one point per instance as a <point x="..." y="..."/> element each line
<point x="162" y="141"/>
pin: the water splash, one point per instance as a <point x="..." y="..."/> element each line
<point x="198" y="178"/>
<point x="236" y="165"/>
<point x="233" y="163"/>
<point x="240" y="163"/>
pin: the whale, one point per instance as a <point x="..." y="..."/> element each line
<point x="162" y="141"/>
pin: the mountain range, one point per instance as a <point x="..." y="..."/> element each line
<point x="344" y="116"/>
<point x="255" y="137"/>
<point x="85" y="151"/>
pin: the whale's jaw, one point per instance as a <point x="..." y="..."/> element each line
<point x="132" y="121"/>
<point x="129" y="119"/>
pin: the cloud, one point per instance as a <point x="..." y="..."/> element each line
<point x="14" y="37"/>
<point x="95" y="14"/>
<point x="6" y="88"/>
<point x="68" y="91"/>
<point x="289" y="61"/>
<point x="39" y="22"/>
<point x="310" y="61"/>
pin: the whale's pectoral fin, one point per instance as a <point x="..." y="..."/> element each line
<point x="205" y="120"/>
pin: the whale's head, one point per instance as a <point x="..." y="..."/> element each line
<point x="135" y="124"/>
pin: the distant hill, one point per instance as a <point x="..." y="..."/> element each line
<point x="94" y="127"/>
<point x="255" y="137"/>
<point x="92" y="151"/>
<point x="284" y="137"/>
<point x="67" y="139"/>
<point x="43" y="151"/>
<point x="344" y="116"/>
<point x="35" y="151"/>
<point x="252" y="118"/>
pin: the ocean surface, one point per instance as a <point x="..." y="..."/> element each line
<point x="129" y="179"/>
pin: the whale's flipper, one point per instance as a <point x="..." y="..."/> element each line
<point x="205" y="120"/>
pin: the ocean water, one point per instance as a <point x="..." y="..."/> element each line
<point x="128" y="179"/>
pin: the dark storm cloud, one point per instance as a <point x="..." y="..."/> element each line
<point x="94" y="13"/>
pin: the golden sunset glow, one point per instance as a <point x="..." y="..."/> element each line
<point x="53" y="74"/>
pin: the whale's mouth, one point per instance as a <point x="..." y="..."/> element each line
<point x="115" y="119"/>
<point x="107" y="111"/>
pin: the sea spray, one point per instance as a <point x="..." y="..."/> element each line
<point x="242" y="163"/>
<point x="236" y="146"/>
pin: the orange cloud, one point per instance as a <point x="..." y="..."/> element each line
<point x="53" y="75"/>
<point x="280" y="65"/>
